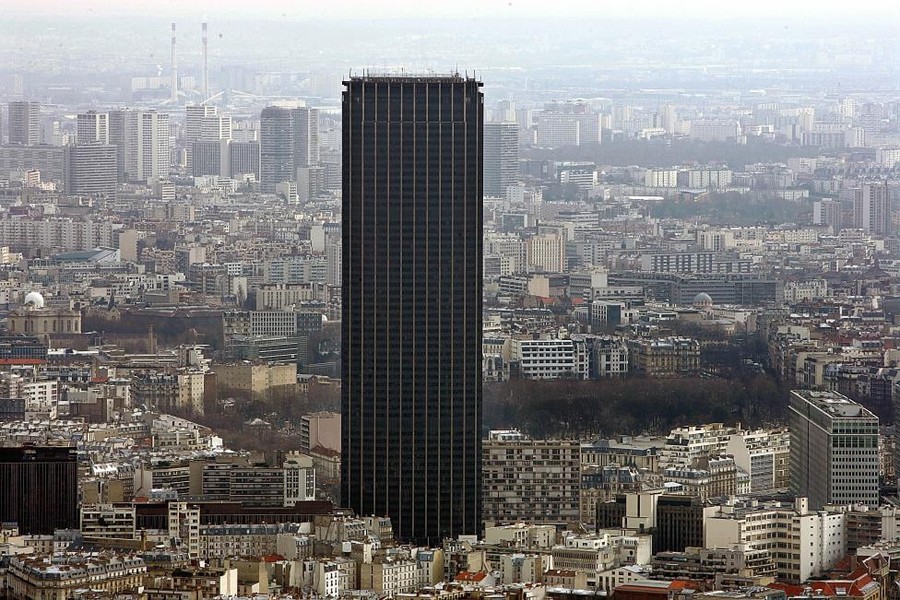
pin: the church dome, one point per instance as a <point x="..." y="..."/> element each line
<point x="702" y="300"/>
<point x="35" y="299"/>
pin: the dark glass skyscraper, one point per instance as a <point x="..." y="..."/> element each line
<point x="39" y="488"/>
<point x="412" y="252"/>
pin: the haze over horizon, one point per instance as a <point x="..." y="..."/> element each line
<point x="386" y="9"/>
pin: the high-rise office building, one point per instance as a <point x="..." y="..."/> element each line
<point x="834" y="449"/>
<point x="306" y="137"/>
<point x="243" y="159"/>
<point x="39" y="488"/>
<point x="49" y="160"/>
<point x="536" y="481"/>
<point x="872" y="208"/>
<point x="557" y="130"/>
<point x="412" y="246"/>
<point x="828" y="212"/>
<point x="288" y="140"/>
<point x="91" y="170"/>
<point x="24" y="123"/>
<point x="202" y="123"/>
<point x="501" y="157"/>
<point x="118" y="138"/>
<point x="143" y="143"/>
<point x="92" y="127"/>
<point x="276" y="147"/>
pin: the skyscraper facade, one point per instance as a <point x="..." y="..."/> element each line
<point x="92" y="127"/>
<point x="143" y="143"/>
<point x="24" y="123"/>
<point x="834" y="449"/>
<point x="412" y="246"/>
<point x="288" y="140"/>
<point x="501" y="157"/>
<point x="872" y="208"/>
<point x="39" y="488"/>
<point x="202" y="123"/>
<point x="276" y="147"/>
<point x="91" y="170"/>
<point x="306" y="137"/>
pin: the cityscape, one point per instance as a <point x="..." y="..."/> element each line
<point x="459" y="301"/>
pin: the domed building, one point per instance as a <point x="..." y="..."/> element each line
<point x="35" y="318"/>
<point x="34" y="300"/>
<point x="702" y="301"/>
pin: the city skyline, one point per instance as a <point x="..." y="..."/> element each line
<point x="453" y="301"/>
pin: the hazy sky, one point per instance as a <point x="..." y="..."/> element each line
<point x="309" y="9"/>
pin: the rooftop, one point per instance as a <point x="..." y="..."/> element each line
<point x="834" y="403"/>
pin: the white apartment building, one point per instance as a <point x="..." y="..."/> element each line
<point x="390" y="576"/>
<point x="717" y="240"/>
<point x="40" y="393"/>
<point x="556" y="130"/>
<point x="686" y="444"/>
<point x="522" y="568"/>
<point x="550" y="359"/>
<point x="107" y="521"/>
<point x="887" y="156"/>
<point x="595" y="554"/>
<point x="299" y="479"/>
<point x="804" y="235"/>
<point x="802" y="543"/>
<point x="191" y="389"/>
<point x="764" y="454"/>
<point x="610" y="357"/>
<point x="296" y="269"/>
<point x="144" y="143"/>
<point x="537" y="481"/>
<point x="184" y="526"/>
<point x="798" y="291"/>
<point x="546" y="252"/>
<point x="279" y="296"/>
<point x="92" y="127"/>
<point x="326" y="577"/>
<point x="520" y="535"/>
<point x="665" y="178"/>
<point x="55" y="233"/>
<point x="280" y="323"/>
<point x="707" y="178"/>
<point x="708" y="130"/>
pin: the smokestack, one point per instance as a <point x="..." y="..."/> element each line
<point x="205" y="66"/>
<point x="174" y="68"/>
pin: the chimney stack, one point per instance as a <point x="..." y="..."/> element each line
<point x="205" y="66"/>
<point x="174" y="69"/>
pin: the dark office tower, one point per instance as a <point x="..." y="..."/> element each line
<point x="209" y="158"/>
<point x="276" y="147"/>
<point x="411" y="368"/>
<point x="501" y="158"/>
<point x="24" y="123"/>
<point x="243" y="159"/>
<point x="39" y="488"/>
